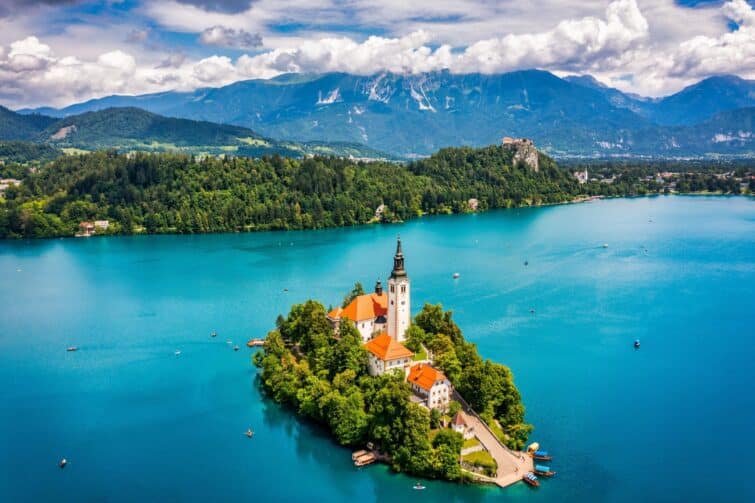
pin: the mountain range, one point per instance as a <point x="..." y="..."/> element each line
<point x="414" y="115"/>
<point x="130" y="128"/>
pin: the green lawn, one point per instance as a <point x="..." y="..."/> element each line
<point x="482" y="459"/>
<point x="420" y="355"/>
<point x="472" y="442"/>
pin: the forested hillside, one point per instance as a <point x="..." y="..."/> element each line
<point x="176" y="193"/>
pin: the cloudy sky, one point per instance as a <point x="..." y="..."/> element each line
<point x="56" y="52"/>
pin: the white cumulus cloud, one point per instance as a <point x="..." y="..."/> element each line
<point x="619" y="45"/>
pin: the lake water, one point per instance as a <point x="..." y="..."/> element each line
<point x="674" y="421"/>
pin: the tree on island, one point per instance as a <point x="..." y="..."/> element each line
<point x="353" y="294"/>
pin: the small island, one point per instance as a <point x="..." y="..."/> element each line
<point x="415" y="394"/>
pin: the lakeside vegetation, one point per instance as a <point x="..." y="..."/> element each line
<point x="324" y="378"/>
<point x="178" y="193"/>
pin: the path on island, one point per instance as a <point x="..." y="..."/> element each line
<point x="511" y="464"/>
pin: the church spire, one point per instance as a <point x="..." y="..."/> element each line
<point x="398" y="261"/>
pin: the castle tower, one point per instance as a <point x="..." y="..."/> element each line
<point x="399" y="307"/>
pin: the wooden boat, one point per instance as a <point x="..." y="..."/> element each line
<point x="71" y="349"/>
<point x="542" y="455"/>
<point x="531" y="480"/>
<point x="544" y="471"/>
<point x="255" y="342"/>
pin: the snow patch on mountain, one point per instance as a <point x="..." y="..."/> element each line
<point x="331" y="98"/>
<point x="378" y="93"/>
<point x="363" y="133"/>
<point x="421" y="98"/>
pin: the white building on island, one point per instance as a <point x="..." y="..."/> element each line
<point x="387" y="354"/>
<point x="461" y="424"/>
<point x="431" y="385"/>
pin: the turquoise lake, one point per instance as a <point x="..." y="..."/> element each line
<point x="673" y="421"/>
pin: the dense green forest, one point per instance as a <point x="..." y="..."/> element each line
<point x="178" y="193"/>
<point x="324" y="378"/>
<point x="14" y="155"/>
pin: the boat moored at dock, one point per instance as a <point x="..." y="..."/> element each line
<point x="544" y="471"/>
<point x="531" y="480"/>
<point x="542" y="455"/>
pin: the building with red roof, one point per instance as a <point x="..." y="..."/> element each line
<point x="386" y="354"/>
<point x="368" y="312"/>
<point x="431" y="385"/>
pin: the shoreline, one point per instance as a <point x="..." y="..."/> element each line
<point x="577" y="200"/>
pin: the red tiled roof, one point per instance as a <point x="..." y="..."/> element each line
<point x="425" y="376"/>
<point x="363" y="307"/>
<point x="459" y="419"/>
<point x="387" y="348"/>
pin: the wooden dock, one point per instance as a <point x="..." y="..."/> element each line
<point x="364" y="459"/>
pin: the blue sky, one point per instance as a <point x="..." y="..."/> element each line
<point x="61" y="51"/>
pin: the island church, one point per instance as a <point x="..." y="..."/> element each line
<point x="382" y="319"/>
<point x="380" y="312"/>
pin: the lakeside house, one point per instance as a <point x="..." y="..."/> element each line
<point x="87" y="229"/>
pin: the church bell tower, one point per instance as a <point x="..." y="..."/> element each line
<point x="399" y="307"/>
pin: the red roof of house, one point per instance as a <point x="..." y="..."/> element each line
<point x="425" y="376"/>
<point x="460" y="419"/>
<point x="387" y="348"/>
<point x="363" y="307"/>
